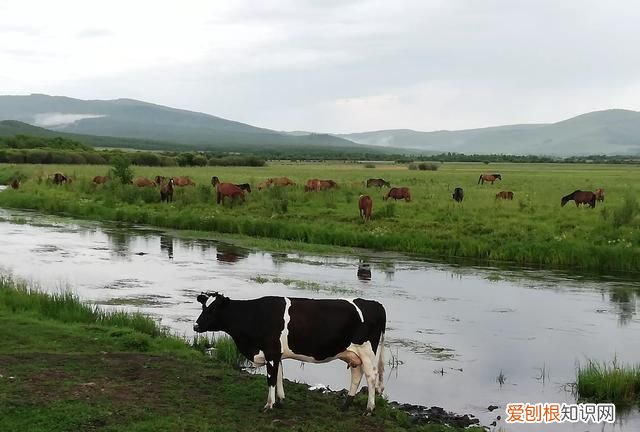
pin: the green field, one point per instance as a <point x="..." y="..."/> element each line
<point x="67" y="366"/>
<point x="532" y="230"/>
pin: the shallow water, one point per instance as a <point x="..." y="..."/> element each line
<point x="453" y="330"/>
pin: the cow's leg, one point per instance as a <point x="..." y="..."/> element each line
<point x="280" y="384"/>
<point x="273" y="364"/>
<point x="356" y="377"/>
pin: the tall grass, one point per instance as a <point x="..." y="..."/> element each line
<point x="18" y="297"/>
<point x="609" y="382"/>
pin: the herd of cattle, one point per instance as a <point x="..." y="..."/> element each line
<point x="365" y="202"/>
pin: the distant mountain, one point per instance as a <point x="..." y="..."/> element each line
<point x="128" y="118"/>
<point x="600" y="132"/>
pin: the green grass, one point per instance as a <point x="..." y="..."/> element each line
<point x="69" y="366"/>
<point x="609" y="382"/>
<point x="532" y="230"/>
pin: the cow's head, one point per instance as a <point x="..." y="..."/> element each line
<point x="213" y="305"/>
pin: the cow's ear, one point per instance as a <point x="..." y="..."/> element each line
<point x="202" y="298"/>
<point x="223" y="300"/>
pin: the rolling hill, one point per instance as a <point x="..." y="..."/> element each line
<point x="599" y="132"/>
<point x="102" y="122"/>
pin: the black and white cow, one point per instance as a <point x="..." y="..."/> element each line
<point x="269" y="329"/>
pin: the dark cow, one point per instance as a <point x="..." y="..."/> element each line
<point x="458" y="194"/>
<point x="580" y="197"/>
<point x="489" y="178"/>
<point x="15" y="183"/>
<point x="365" y="204"/>
<point x="159" y="179"/>
<point x="245" y="187"/>
<point x="505" y="195"/>
<point x="166" y="191"/>
<point x="269" y="329"/>
<point x="364" y="271"/>
<point x="398" y="193"/>
<point x="59" y="178"/>
<point x="378" y="183"/>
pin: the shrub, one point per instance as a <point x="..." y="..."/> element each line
<point x="413" y="167"/>
<point x="121" y="169"/>
<point x="423" y="166"/>
<point x="369" y="165"/>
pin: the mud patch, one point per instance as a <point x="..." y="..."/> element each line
<point x="424" y="349"/>
<point x="149" y="301"/>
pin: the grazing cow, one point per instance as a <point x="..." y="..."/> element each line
<point x="489" y="178"/>
<point x="166" y="191"/>
<point x="458" y="194"/>
<point x="226" y="190"/>
<point x="262" y="185"/>
<point x="580" y="197"/>
<point x="328" y="184"/>
<point x="143" y="182"/>
<point x="505" y="195"/>
<point x="312" y="185"/>
<point x="599" y="194"/>
<point x="183" y="181"/>
<point x="101" y="179"/>
<point x="15" y="183"/>
<point x="279" y="181"/>
<point x="59" y="178"/>
<point x="270" y="329"/>
<point x="365" y="204"/>
<point x="378" y="183"/>
<point x="398" y="193"/>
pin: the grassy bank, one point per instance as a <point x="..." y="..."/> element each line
<point x="531" y="230"/>
<point x="67" y="366"/>
<point x="609" y="382"/>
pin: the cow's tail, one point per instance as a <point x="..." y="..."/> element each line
<point x="380" y="361"/>
<point x="480" y="178"/>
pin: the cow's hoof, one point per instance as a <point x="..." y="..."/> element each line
<point x="267" y="408"/>
<point x="368" y="413"/>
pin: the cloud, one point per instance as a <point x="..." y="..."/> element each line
<point x="333" y="66"/>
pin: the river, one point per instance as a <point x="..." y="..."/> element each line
<point x="462" y="337"/>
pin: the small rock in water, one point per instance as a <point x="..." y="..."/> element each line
<point x="492" y="408"/>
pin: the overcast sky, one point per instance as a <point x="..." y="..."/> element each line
<point x="335" y="65"/>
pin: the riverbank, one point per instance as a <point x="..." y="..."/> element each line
<point x="65" y="365"/>
<point x="533" y="230"/>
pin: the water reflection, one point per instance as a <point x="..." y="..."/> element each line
<point x="166" y="245"/>
<point x="230" y="254"/>
<point x="364" y="271"/>
<point x="120" y="241"/>
<point x="624" y="299"/>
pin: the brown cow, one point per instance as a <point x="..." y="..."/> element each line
<point x="365" y="204"/>
<point x="312" y="185"/>
<point x="59" y="178"/>
<point x="262" y="185"/>
<point x="224" y="190"/>
<point x="580" y="197"/>
<point x="15" y="183"/>
<point x="166" y="191"/>
<point x="279" y="181"/>
<point x="328" y="184"/>
<point x="489" y="178"/>
<point x="505" y="195"/>
<point x="599" y="194"/>
<point x="101" y="179"/>
<point x="183" y="181"/>
<point x="143" y="182"/>
<point x="398" y="193"/>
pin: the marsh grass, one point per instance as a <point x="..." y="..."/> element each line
<point x="609" y="382"/>
<point x="533" y="230"/>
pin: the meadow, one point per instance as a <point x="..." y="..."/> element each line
<point x="532" y="230"/>
<point x="69" y="366"/>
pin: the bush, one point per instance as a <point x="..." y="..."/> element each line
<point x="369" y="165"/>
<point x="413" y="167"/>
<point x="121" y="169"/>
<point x="423" y="166"/>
